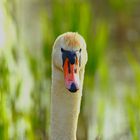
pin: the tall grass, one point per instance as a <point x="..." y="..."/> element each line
<point x="25" y="67"/>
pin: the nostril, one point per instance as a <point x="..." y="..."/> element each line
<point x="69" y="67"/>
<point x="73" y="88"/>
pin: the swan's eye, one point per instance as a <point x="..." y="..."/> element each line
<point x="62" y="50"/>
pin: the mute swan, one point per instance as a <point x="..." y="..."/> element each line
<point x="69" y="57"/>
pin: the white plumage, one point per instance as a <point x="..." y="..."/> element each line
<point x="65" y="106"/>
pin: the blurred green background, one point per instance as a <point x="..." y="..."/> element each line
<point x="110" y="107"/>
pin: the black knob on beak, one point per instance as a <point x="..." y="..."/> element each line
<point x="73" y="88"/>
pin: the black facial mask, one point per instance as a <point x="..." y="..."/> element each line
<point x="71" y="55"/>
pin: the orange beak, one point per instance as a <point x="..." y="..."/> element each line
<point x="71" y="75"/>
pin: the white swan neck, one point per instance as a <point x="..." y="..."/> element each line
<point x="65" y="108"/>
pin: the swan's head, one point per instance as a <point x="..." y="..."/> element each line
<point x="69" y="57"/>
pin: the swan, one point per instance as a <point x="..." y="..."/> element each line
<point x="69" y="57"/>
